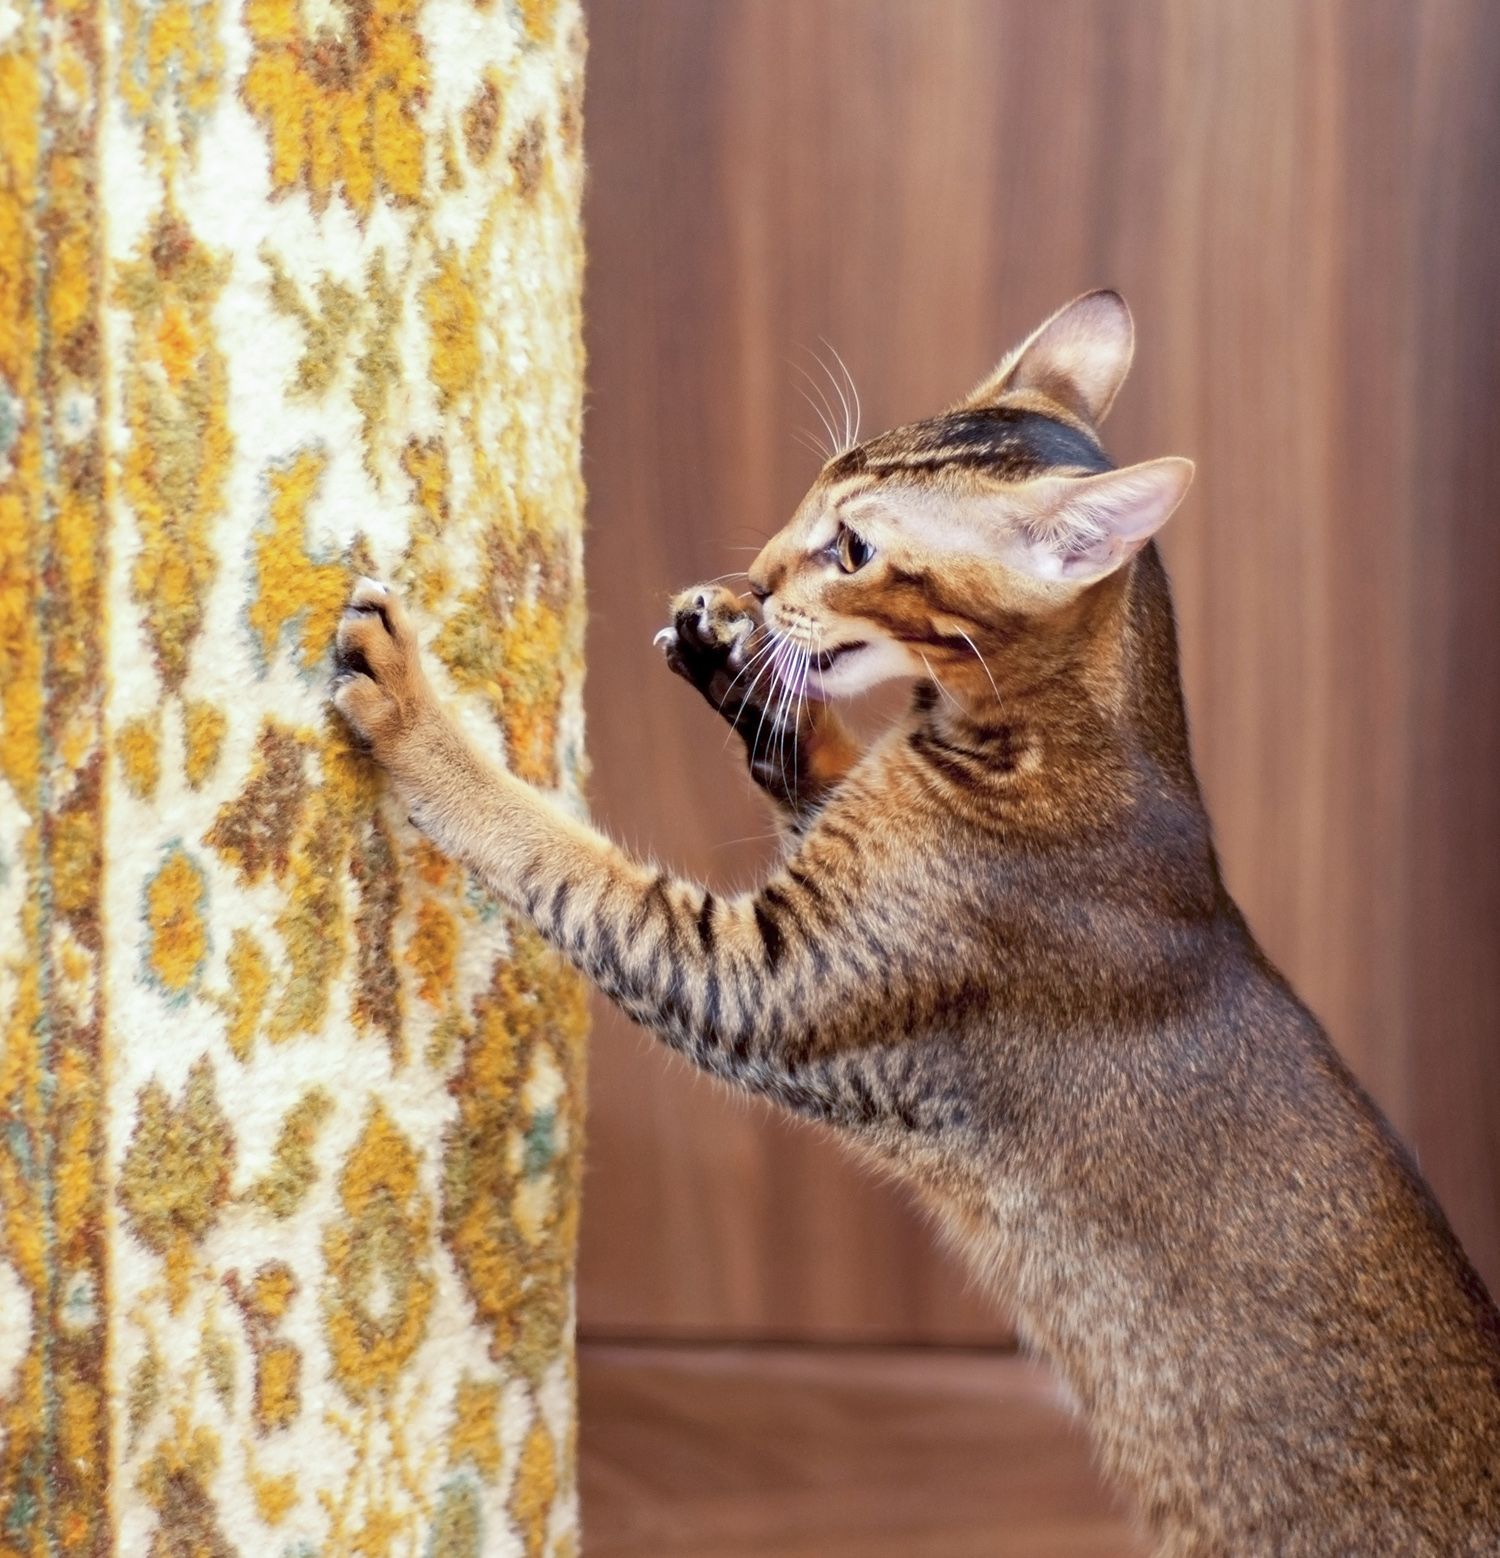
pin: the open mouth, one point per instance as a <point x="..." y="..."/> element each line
<point x="831" y="657"/>
<point x="795" y="673"/>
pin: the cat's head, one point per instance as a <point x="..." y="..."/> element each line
<point x="915" y="546"/>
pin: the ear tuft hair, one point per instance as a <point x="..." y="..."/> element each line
<point x="1079" y="528"/>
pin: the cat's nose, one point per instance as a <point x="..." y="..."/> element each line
<point x="757" y="589"/>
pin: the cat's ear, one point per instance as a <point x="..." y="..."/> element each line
<point x="1075" y="529"/>
<point x="1079" y="358"/>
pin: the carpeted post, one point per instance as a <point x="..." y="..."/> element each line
<point x="289" y="1112"/>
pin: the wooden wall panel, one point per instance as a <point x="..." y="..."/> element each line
<point x="1302" y="203"/>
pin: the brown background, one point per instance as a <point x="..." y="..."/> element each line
<point x="1300" y="202"/>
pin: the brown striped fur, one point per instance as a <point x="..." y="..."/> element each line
<point x="998" y="957"/>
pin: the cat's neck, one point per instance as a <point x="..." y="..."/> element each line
<point x="1099" y="695"/>
<point x="968" y="721"/>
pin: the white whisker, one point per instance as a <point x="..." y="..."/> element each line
<point x="754" y="659"/>
<point x="838" y="390"/>
<point x="936" y="683"/>
<point x="734" y="729"/>
<point x="750" y="838"/>
<point x="760" y="725"/>
<point x="785" y="678"/>
<point x="781" y="647"/>
<point x="980" y="658"/>
<point x="844" y="402"/>
<point x="853" y="390"/>
<point x="824" y="412"/>
<point x="796" y="727"/>
<point x="811" y="444"/>
<point x="824" y="451"/>
<point x="749" y="693"/>
<point x="807" y="665"/>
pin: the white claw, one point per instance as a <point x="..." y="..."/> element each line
<point x="667" y="637"/>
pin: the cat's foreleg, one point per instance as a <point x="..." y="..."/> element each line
<point x="797" y="752"/>
<point x="743" y="986"/>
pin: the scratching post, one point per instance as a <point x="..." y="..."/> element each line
<point x="289" y="1111"/>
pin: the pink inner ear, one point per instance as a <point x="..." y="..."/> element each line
<point x="1099" y="522"/>
<point x="1079" y="357"/>
<point x="1101" y="556"/>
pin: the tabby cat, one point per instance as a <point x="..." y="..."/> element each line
<point x="998" y="957"/>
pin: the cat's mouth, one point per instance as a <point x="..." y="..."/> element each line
<point x="805" y="660"/>
<point x="808" y="671"/>
<point x="831" y="657"/>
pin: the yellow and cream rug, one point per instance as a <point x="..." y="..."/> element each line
<point x="289" y="1113"/>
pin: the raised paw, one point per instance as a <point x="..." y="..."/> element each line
<point x="712" y="639"/>
<point x="378" y="684"/>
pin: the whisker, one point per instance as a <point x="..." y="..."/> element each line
<point x="980" y="658"/>
<point x="749" y="838"/>
<point x="789" y="781"/>
<point x="785" y="733"/>
<point x="811" y="444"/>
<point x="780" y="646"/>
<point x="796" y="726"/>
<point x="859" y="410"/>
<point x="749" y="693"/>
<point x="757" y="656"/>
<point x="807" y="666"/>
<point x="729" y="735"/>
<point x="760" y="725"/>
<point x="779" y="740"/>
<point x="784" y="677"/>
<point x="936" y="683"/>
<point x="838" y="390"/>
<point x="817" y="383"/>
<point x="824" y="413"/>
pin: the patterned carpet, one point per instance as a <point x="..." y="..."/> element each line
<point x="289" y="1113"/>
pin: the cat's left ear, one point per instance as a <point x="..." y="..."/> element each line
<point x="1075" y="529"/>
<point x="1078" y="358"/>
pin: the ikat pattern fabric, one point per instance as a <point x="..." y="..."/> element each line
<point x="290" y="1112"/>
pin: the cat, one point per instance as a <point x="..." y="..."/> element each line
<point x="998" y="957"/>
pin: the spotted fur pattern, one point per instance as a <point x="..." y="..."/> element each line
<point x="998" y="957"/>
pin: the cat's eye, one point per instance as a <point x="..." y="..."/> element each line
<point x="851" y="550"/>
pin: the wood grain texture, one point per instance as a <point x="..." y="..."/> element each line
<point x="842" y="1453"/>
<point x="1300" y="203"/>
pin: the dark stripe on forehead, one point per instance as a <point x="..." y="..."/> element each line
<point x="1029" y="434"/>
<point x="1005" y="440"/>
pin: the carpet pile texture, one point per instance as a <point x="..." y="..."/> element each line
<point x="290" y="1113"/>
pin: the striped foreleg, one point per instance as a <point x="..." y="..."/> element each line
<point x="748" y="987"/>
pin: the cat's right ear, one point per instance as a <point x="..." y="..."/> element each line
<point x="1078" y="358"/>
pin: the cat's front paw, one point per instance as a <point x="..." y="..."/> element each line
<point x="378" y="685"/>
<point x="713" y="636"/>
